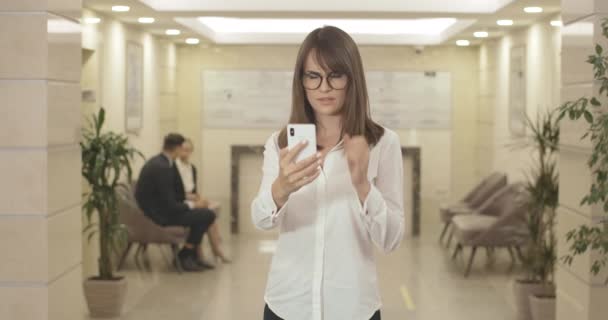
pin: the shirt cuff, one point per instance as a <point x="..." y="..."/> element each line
<point x="373" y="204"/>
<point x="270" y="206"/>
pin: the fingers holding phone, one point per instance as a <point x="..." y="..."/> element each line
<point x="295" y="172"/>
<point x="299" y="163"/>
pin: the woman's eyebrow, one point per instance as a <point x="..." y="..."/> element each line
<point x="313" y="72"/>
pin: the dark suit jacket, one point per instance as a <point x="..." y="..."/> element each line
<point x="180" y="192"/>
<point x="155" y="192"/>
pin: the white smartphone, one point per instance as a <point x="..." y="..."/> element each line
<point x="300" y="132"/>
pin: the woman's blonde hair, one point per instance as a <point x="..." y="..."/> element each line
<point x="336" y="51"/>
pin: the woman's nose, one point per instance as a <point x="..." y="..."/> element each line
<point x="325" y="85"/>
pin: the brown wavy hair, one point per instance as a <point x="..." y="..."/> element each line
<point x="336" y="51"/>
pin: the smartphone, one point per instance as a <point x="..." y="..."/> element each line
<point x="301" y="132"/>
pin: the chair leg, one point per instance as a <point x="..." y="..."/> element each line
<point x="520" y="255"/>
<point x="445" y="229"/>
<point x="177" y="262"/>
<point x="450" y="238"/>
<point x="165" y="257"/>
<point x="512" y="255"/>
<point x="456" y="251"/>
<point x="138" y="255"/>
<point x="468" y="270"/>
<point x="124" y="256"/>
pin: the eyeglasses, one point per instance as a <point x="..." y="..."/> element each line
<point x="335" y="80"/>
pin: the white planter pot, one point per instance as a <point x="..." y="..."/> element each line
<point x="522" y="291"/>
<point x="105" y="298"/>
<point x="542" y="307"/>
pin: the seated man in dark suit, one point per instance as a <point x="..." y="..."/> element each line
<point x="156" y="197"/>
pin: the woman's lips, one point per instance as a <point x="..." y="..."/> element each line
<point x="326" y="100"/>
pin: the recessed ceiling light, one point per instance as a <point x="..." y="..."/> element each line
<point x="504" y="22"/>
<point x="463" y="43"/>
<point x="120" y="8"/>
<point x="533" y="9"/>
<point x="172" y="32"/>
<point x="92" y="20"/>
<point x="557" y="23"/>
<point x="481" y="34"/>
<point x="192" y="41"/>
<point x="146" y="20"/>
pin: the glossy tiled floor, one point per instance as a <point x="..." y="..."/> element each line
<point x="418" y="282"/>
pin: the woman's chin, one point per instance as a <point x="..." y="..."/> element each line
<point x="326" y="110"/>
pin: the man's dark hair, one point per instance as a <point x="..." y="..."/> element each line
<point x="173" y="141"/>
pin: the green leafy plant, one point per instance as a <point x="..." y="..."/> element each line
<point x="594" y="237"/>
<point x="542" y="186"/>
<point x="106" y="157"/>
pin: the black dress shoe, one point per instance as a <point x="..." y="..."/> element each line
<point x="189" y="264"/>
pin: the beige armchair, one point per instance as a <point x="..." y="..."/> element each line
<point x="471" y="202"/>
<point x="499" y="223"/>
<point x="143" y="231"/>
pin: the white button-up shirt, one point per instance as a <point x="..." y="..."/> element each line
<point x="187" y="174"/>
<point x="324" y="266"/>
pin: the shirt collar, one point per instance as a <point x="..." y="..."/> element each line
<point x="171" y="162"/>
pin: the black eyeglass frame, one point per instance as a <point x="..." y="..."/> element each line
<point x="326" y="78"/>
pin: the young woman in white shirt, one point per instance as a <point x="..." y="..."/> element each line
<point x="334" y="207"/>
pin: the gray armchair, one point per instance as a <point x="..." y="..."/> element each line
<point x="472" y="201"/>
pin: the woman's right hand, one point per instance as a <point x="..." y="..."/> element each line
<point x="293" y="176"/>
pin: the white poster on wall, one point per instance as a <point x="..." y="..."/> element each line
<point x="410" y="100"/>
<point x="517" y="92"/>
<point x="246" y="98"/>
<point x="134" y="88"/>
<point x="262" y="99"/>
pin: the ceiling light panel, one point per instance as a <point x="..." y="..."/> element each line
<point x="353" y="26"/>
<point x="442" y="6"/>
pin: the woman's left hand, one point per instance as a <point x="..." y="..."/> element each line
<point x="192" y="196"/>
<point x="357" y="155"/>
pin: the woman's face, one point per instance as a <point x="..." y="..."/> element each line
<point x="186" y="151"/>
<point x="325" y="89"/>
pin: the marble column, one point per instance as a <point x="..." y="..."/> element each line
<point x="580" y="294"/>
<point x="40" y="184"/>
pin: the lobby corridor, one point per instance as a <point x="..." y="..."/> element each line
<point x="418" y="282"/>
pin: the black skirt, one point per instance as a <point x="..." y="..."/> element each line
<point x="269" y="315"/>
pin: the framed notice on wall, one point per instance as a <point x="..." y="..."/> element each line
<point x="262" y="98"/>
<point x="134" y="87"/>
<point x="517" y="94"/>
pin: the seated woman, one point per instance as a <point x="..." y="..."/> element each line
<point x="186" y="190"/>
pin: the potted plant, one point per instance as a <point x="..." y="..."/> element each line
<point x="106" y="157"/>
<point x="593" y="237"/>
<point x="535" y="292"/>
